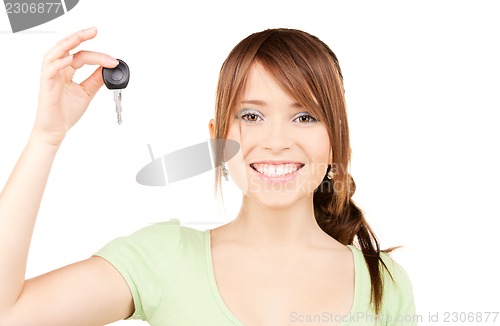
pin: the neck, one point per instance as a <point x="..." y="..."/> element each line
<point x="282" y="227"/>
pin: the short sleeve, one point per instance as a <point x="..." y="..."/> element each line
<point x="146" y="260"/>
<point x="398" y="304"/>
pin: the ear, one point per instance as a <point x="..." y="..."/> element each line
<point x="211" y="128"/>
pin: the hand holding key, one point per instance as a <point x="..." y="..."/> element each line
<point x="61" y="101"/>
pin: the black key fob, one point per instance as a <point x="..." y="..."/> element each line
<point x="117" y="77"/>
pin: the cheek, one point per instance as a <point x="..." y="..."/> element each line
<point x="236" y="165"/>
<point x="318" y="151"/>
<point x="319" y="146"/>
<point x="235" y="133"/>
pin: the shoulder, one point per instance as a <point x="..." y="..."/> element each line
<point x="394" y="276"/>
<point x="398" y="306"/>
<point x="161" y="232"/>
<point x="169" y="232"/>
<point x="397" y="301"/>
<point x="156" y="241"/>
<point x="151" y="260"/>
<point x="392" y="270"/>
<point x="158" y="229"/>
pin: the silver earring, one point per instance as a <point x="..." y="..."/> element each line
<point x="225" y="171"/>
<point x="330" y="173"/>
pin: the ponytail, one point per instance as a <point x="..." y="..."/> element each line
<point x="344" y="221"/>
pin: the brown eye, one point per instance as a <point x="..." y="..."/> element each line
<point x="305" y="118"/>
<point x="251" y="117"/>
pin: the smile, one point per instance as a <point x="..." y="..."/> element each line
<point x="276" y="170"/>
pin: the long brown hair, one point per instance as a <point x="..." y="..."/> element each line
<point x="309" y="71"/>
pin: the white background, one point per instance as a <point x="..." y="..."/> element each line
<point x="422" y="84"/>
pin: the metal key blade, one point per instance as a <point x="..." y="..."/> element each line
<point x="117" y="95"/>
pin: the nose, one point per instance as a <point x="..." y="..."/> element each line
<point x="277" y="136"/>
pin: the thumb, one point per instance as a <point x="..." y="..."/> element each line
<point x="93" y="83"/>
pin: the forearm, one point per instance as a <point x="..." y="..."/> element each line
<point x="19" y="204"/>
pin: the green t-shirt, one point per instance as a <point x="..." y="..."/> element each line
<point x="168" y="268"/>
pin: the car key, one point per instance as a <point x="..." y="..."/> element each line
<point x="117" y="79"/>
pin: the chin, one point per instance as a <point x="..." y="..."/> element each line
<point x="277" y="192"/>
<point x="273" y="199"/>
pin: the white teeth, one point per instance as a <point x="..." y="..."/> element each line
<point x="276" y="170"/>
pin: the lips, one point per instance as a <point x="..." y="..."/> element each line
<point x="276" y="169"/>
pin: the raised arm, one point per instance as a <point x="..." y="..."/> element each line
<point x="90" y="292"/>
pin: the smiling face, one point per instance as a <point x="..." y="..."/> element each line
<point x="267" y="86"/>
<point x="285" y="149"/>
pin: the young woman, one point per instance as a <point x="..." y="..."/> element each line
<point x="298" y="252"/>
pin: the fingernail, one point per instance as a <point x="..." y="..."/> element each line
<point x="88" y="30"/>
<point x="113" y="61"/>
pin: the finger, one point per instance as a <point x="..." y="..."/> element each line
<point x="63" y="47"/>
<point x="92" y="84"/>
<point x="77" y="32"/>
<point x="93" y="58"/>
<point x="51" y="70"/>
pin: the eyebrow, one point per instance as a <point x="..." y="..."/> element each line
<point x="295" y="105"/>
<point x="254" y="102"/>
